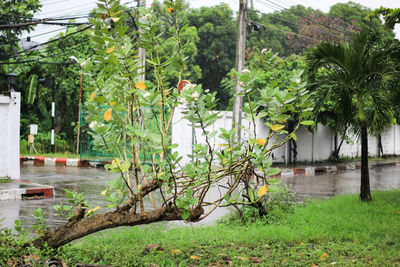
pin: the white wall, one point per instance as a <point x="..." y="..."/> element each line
<point x="9" y="135"/>
<point x="310" y="146"/>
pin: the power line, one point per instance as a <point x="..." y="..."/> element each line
<point x="52" y="41"/>
<point x="282" y="30"/>
<point x="32" y="61"/>
<point x="45" y="21"/>
<point x="307" y="18"/>
<point x="302" y="25"/>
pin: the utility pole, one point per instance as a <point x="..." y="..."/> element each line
<point x="240" y="58"/>
<point x="49" y="82"/>
<point x="251" y="4"/>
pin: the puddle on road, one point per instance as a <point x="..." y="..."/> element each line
<point x="91" y="181"/>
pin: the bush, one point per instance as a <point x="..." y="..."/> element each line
<point x="43" y="144"/>
<point x="274" y="205"/>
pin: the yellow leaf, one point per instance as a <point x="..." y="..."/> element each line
<point x="109" y="50"/>
<point x="140" y="85"/>
<point x="261" y="141"/>
<point x="113" y="103"/>
<point x="104" y="192"/>
<point x="242" y="258"/>
<point x="194" y="257"/>
<point x="96" y="208"/>
<point x="229" y="149"/>
<point x="107" y="114"/>
<point x="175" y="251"/>
<point x="277" y="127"/>
<point x="324" y="256"/>
<point x="114" y="19"/>
<point x="170" y="9"/>
<point x="290" y="89"/>
<point x="116" y="161"/>
<point x="92" y="96"/>
<point x="222" y="145"/>
<point x="262" y="190"/>
<point x="139" y="187"/>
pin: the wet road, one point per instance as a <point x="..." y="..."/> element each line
<point x="91" y="182"/>
<point x="346" y="182"/>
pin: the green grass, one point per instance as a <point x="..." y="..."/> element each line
<point x="53" y="155"/>
<point x="344" y="229"/>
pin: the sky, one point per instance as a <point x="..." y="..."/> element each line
<point x="58" y="8"/>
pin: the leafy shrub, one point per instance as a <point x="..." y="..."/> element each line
<point x="43" y="144"/>
<point x="273" y="204"/>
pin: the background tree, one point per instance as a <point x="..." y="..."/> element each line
<point x="358" y="75"/>
<point x="13" y="12"/>
<point x="216" y="29"/>
<point x="390" y="16"/>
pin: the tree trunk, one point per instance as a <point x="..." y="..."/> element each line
<point x="365" y="192"/>
<point x="380" y="147"/>
<point x="77" y="228"/>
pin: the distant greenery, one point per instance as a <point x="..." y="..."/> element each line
<point x="5" y="180"/>
<point x="208" y="47"/>
<point x="341" y="231"/>
<point x="53" y="155"/>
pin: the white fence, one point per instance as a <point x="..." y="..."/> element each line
<point x="310" y="146"/>
<point x="9" y="135"/>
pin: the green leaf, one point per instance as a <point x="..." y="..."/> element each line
<point x="293" y="136"/>
<point x="125" y="166"/>
<point x="251" y="195"/>
<point x="308" y="123"/>
<point x="185" y="214"/>
<point x="273" y="189"/>
<point x="32" y="89"/>
<point x="274" y="181"/>
<point x="274" y="171"/>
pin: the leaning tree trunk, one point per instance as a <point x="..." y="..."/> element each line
<point x="125" y="215"/>
<point x="365" y="192"/>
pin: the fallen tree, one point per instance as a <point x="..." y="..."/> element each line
<point x="132" y="119"/>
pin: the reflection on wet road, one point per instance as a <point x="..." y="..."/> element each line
<point x="91" y="182"/>
<point x="346" y="182"/>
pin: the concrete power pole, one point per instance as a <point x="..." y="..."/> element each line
<point x="240" y="58"/>
<point x="142" y="53"/>
<point x="251" y="4"/>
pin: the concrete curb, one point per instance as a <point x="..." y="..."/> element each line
<point x="61" y="162"/>
<point x="308" y="171"/>
<point x="32" y="191"/>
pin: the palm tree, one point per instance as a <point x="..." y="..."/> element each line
<point x="357" y="75"/>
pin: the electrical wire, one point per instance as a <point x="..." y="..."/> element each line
<point x="282" y="30"/>
<point x="307" y="18"/>
<point x="46" y="21"/>
<point x="32" y="61"/>
<point x="51" y="41"/>
<point x="302" y="25"/>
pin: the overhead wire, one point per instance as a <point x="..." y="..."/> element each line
<point x="338" y="29"/>
<point x="282" y="30"/>
<point x="301" y="25"/>
<point x="51" y="41"/>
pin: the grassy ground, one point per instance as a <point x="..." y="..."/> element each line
<point x="342" y="231"/>
<point x="54" y="155"/>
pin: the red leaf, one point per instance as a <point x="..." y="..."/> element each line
<point x="181" y="83"/>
